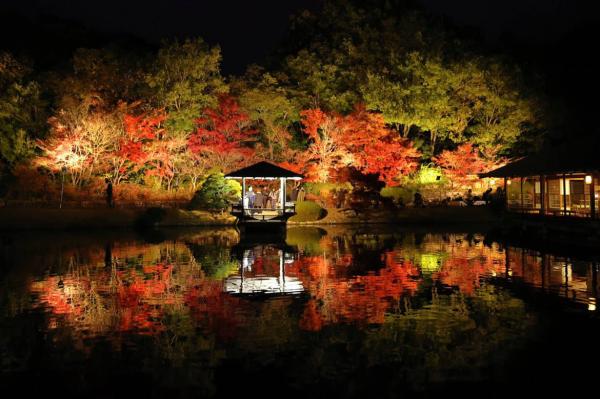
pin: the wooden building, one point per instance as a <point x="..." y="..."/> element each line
<point x="558" y="182"/>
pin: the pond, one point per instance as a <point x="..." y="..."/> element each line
<point x="317" y="312"/>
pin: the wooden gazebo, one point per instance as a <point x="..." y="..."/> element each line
<point x="279" y="210"/>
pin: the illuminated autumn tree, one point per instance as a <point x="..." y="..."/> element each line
<point x="360" y="140"/>
<point x="81" y="137"/>
<point x="377" y="149"/>
<point x="223" y="137"/>
<point x="130" y="155"/>
<point x="326" y="150"/>
<point x="463" y="164"/>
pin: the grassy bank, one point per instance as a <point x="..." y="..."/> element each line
<point x="64" y="219"/>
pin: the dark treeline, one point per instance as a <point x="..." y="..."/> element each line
<point x="95" y="107"/>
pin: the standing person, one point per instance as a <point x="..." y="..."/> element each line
<point x="469" y="197"/>
<point x="245" y="203"/>
<point x="294" y="192"/>
<point x="301" y="194"/>
<point x="109" y="194"/>
<point x="271" y="200"/>
<point x="276" y="199"/>
<point x="258" y="199"/>
<point x="251" y="197"/>
<point x="418" y="200"/>
<point x="487" y="196"/>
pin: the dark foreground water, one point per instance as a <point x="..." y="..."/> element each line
<point x="336" y="312"/>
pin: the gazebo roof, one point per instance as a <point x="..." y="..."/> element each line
<point x="263" y="170"/>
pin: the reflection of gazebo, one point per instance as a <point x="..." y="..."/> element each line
<point x="262" y="271"/>
<point x="278" y="210"/>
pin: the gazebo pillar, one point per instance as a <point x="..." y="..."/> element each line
<point x="542" y="194"/>
<point x="564" y="181"/>
<point x="282" y="194"/>
<point x="522" y="199"/>
<point x="243" y="195"/>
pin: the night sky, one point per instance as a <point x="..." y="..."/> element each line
<point x="249" y="30"/>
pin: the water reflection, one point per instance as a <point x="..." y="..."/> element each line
<point x="422" y="308"/>
<point x="264" y="270"/>
<point x="575" y="280"/>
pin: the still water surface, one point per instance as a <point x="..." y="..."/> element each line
<point x="353" y="312"/>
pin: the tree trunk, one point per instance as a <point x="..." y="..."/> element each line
<point x="405" y="130"/>
<point x="433" y="137"/>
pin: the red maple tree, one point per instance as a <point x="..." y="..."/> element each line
<point x="361" y="140"/>
<point x="223" y="136"/>
<point x="463" y="164"/>
<point x="132" y="151"/>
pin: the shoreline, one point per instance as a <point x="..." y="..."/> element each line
<point x="502" y="226"/>
<point x="21" y="219"/>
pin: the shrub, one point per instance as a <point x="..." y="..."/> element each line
<point x="308" y="211"/>
<point x="216" y="193"/>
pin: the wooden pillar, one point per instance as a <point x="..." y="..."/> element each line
<point x="243" y="195"/>
<point x="592" y="199"/>
<point x="282" y="193"/>
<point x="542" y="195"/>
<point x="564" y="195"/>
<point x="281" y="272"/>
<point x="522" y="202"/>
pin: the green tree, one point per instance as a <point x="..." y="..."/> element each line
<point x="430" y="82"/>
<point x="216" y="193"/>
<point x="186" y="79"/>
<point x="21" y="112"/>
<point x="269" y="108"/>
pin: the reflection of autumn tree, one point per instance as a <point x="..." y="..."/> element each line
<point x="337" y="298"/>
<point x="143" y="285"/>
<point x="468" y="263"/>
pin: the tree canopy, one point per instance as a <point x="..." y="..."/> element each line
<point x="378" y="87"/>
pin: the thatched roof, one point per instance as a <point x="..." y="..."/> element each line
<point x="263" y="170"/>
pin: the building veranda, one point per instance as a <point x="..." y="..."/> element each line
<point x="560" y="182"/>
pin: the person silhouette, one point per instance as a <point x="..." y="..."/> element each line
<point x="109" y="194"/>
<point x="418" y="200"/>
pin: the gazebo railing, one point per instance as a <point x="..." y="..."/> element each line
<point x="290" y="208"/>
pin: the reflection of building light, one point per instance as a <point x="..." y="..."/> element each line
<point x="591" y="306"/>
<point x="509" y="182"/>
<point x="588" y="179"/>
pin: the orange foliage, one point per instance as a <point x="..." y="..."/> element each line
<point x="223" y="136"/>
<point x="360" y="140"/>
<point x="463" y="165"/>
